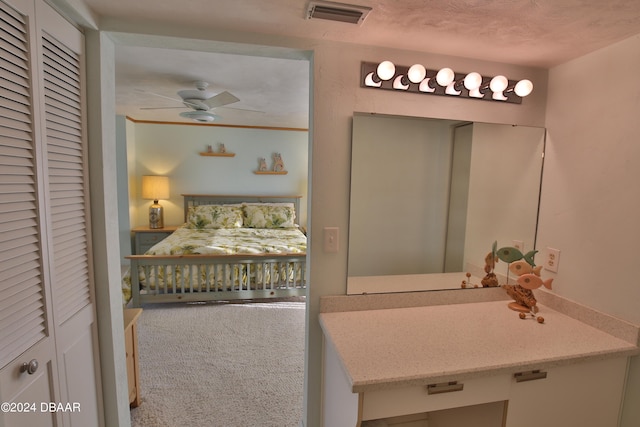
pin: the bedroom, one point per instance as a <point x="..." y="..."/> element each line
<point x="258" y="114"/>
<point x="157" y="141"/>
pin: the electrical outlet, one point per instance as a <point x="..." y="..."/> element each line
<point x="519" y="245"/>
<point x="552" y="260"/>
<point x="331" y="239"/>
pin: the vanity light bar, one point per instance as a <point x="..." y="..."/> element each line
<point x="417" y="79"/>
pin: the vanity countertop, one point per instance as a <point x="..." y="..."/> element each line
<point x="399" y="347"/>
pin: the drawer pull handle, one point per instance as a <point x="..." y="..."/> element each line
<point x="530" y="376"/>
<point x="444" y="387"/>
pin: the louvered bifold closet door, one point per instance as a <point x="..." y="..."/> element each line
<point x="61" y="65"/>
<point x="65" y="152"/>
<point x="22" y="305"/>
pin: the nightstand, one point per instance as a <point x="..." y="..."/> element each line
<point x="145" y="237"/>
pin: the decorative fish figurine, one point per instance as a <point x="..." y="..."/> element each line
<point x="529" y="258"/>
<point x="531" y="281"/>
<point x="509" y="254"/>
<point x="524" y="267"/>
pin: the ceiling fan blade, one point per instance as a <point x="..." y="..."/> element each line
<point x="223" y="98"/>
<point x="161" y="96"/>
<point x="244" y="109"/>
<point x="161" y="108"/>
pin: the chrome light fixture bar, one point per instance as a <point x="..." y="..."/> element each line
<point x="446" y="82"/>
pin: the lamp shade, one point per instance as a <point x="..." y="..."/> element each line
<point x="155" y="187"/>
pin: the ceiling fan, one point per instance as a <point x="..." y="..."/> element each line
<point x="200" y="102"/>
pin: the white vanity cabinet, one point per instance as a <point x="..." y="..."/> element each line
<point x="587" y="394"/>
<point x="383" y="364"/>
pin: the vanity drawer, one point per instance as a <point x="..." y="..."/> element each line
<point x="416" y="399"/>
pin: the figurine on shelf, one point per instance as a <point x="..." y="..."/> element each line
<point x="490" y="280"/>
<point x="468" y="283"/>
<point x="209" y="149"/>
<point x="262" y="164"/>
<point x="278" y="164"/>
<point x="221" y="148"/>
<point x="523" y="266"/>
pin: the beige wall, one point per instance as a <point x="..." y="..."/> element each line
<point x="173" y="150"/>
<point x="336" y="96"/>
<point x="591" y="199"/>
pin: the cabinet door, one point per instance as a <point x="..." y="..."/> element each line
<point x="580" y="395"/>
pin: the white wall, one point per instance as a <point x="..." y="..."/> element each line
<point x="591" y="200"/>
<point x="173" y="150"/>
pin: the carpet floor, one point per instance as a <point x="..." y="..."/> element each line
<point x="221" y="364"/>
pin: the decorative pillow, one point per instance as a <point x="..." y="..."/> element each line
<point x="269" y="215"/>
<point x="214" y="216"/>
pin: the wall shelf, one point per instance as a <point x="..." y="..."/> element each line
<point x="270" y="172"/>
<point x="204" y="153"/>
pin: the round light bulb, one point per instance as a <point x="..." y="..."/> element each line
<point x="445" y="77"/>
<point x="498" y="84"/>
<point x="523" y="88"/>
<point x="416" y="73"/>
<point x="386" y="70"/>
<point x="472" y="81"/>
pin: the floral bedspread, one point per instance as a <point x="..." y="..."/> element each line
<point x="228" y="241"/>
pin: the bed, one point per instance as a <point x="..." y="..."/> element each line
<point x="229" y="248"/>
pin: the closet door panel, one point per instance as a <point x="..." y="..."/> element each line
<point x="26" y="327"/>
<point x="62" y="79"/>
<point x="20" y="388"/>
<point x="46" y="295"/>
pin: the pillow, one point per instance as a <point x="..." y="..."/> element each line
<point x="214" y="216"/>
<point x="269" y="215"/>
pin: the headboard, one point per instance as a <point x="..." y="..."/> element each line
<point x="215" y="199"/>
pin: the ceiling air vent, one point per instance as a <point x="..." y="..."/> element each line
<point x="337" y="12"/>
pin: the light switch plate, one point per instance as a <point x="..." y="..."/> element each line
<point x="331" y="243"/>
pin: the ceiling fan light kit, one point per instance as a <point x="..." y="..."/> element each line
<point x="199" y="116"/>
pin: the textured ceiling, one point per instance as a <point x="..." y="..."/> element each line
<point x="539" y="33"/>
<point x="272" y="92"/>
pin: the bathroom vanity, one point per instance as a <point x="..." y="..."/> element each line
<point x="388" y="363"/>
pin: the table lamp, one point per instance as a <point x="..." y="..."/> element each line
<point x="154" y="188"/>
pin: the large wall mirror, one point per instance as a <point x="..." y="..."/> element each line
<point x="430" y="196"/>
